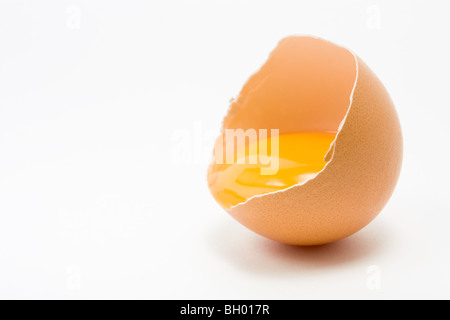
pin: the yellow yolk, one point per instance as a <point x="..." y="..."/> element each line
<point x="301" y="157"/>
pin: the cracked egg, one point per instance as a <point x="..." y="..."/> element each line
<point x="321" y="146"/>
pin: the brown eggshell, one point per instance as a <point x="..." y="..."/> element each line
<point x="360" y="177"/>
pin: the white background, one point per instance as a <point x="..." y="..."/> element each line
<point x="108" y="110"/>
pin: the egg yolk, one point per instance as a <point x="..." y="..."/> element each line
<point x="298" y="158"/>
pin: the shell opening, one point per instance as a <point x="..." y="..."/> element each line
<point x="305" y="87"/>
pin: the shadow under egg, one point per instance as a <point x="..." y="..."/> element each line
<point x="255" y="254"/>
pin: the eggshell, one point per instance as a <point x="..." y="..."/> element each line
<point x="364" y="160"/>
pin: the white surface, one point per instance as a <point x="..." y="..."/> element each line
<point x="107" y="114"/>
